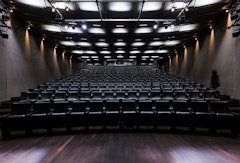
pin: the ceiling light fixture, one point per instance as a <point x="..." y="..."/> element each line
<point x="84" y="26"/>
<point x="53" y="9"/>
<point x="173" y="9"/>
<point x="155" y="26"/>
<point x="67" y="9"/>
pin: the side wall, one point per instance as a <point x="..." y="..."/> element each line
<point x="215" y="50"/>
<point x="26" y="61"/>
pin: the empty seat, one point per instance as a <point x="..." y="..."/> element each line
<point x="40" y="115"/>
<point x="120" y="95"/>
<point x="97" y="95"/>
<point x="202" y="117"/>
<point x="59" y="96"/>
<point x="222" y="117"/>
<point x="45" y="96"/>
<point x="167" y="95"/>
<point x="155" y="94"/>
<point x="18" y="118"/>
<point x="164" y="115"/>
<point x="146" y="113"/>
<point x="132" y="95"/>
<point x="210" y="95"/>
<point x="77" y="116"/>
<point x="108" y="95"/>
<point x="129" y="113"/>
<point x="95" y="111"/>
<point x="113" y="113"/>
<point x="180" y="95"/>
<point x="195" y="95"/>
<point x="143" y="95"/>
<point x="85" y="95"/>
<point x="182" y="114"/>
<point x="72" y="96"/>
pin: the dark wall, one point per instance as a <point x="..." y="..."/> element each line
<point x="26" y="61"/>
<point x="217" y="50"/>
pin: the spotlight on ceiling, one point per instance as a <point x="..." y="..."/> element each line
<point x="67" y="9"/>
<point x="155" y="26"/>
<point x="84" y="26"/>
<point x="173" y="9"/>
<point x="53" y="9"/>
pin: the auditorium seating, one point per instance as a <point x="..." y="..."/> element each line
<point x="123" y="98"/>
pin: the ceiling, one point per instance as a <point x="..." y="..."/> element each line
<point x="129" y="30"/>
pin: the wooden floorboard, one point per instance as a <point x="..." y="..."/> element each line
<point x="116" y="147"/>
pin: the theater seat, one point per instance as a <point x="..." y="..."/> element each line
<point x="129" y="113"/>
<point x="222" y="117"/>
<point x="18" y="119"/>
<point x="164" y="115"/>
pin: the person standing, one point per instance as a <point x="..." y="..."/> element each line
<point x="214" y="80"/>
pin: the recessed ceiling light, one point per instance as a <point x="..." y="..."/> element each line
<point x="68" y="43"/>
<point x="52" y="28"/>
<point x="132" y="56"/>
<point x="90" y="52"/>
<point x="162" y="51"/>
<point x="84" y="57"/>
<point x="143" y="25"/>
<point x="143" y="30"/>
<point x="171" y="43"/>
<point x="88" y="6"/>
<point x="39" y="4"/>
<point x="102" y="44"/>
<point x="119" y="51"/>
<point x="96" y="30"/>
<point x="120" y="6"/>
<point x="135" y="52"/>
<point x="155" y="56"/>
<point x="149" y="51"/>
<point x="156" y="43"/>
<point x="152" y="6"/>
<point x="107" y="57"/>
<point x="77" y="51"/>
<point x="200" y="3"/>
<point x="119" y="30"/>
<point x="105" y="52"/>
<point x="120" y="44"/>
<point x="85" y="44"/>
<point x="138" y="43"/>
<point x="120" y="56"/>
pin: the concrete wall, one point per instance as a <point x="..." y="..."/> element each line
<point x="216" y="49"/>
<point x="26" y="61"/>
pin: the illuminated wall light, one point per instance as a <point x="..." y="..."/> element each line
<point x="186" y="9"/>
<point x="43" y="38"/>
<point x="172" y="26"/>
<point x="226" y="10"/>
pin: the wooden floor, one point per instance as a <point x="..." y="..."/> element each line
<point x="116" y="147"/>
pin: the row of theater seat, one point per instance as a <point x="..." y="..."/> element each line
<point x="120" y="98"/>
<point x="119" y="94"/>
<point x="47" y="115"/>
